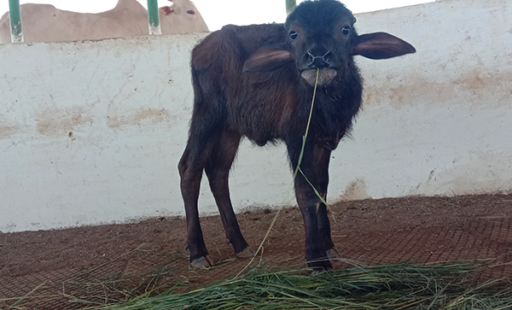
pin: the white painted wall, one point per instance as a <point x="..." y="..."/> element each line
<point x="434" y="123"/>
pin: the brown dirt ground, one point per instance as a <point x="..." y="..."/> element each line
<point x="60" y="269"/>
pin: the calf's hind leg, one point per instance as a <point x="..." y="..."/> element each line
<point x="204" y="133"/>
<point x="217" y="170"/>
<point x="191" y="169"/>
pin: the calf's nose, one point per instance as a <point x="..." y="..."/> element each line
<point x="318" y="60"/>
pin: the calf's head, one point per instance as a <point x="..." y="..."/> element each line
<point x="322" y="36"/>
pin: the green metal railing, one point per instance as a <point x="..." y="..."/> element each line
<point x="15" y="17"/>
<point x="16" y="25"/>
<point x="153" y="17"/>
<point x="290" y="5"/>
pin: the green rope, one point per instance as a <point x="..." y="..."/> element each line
<point x="302" y="150"/>
<point x="316" y="192"/>
<point x="294" y="176"/>
<point x="307" y="127"/>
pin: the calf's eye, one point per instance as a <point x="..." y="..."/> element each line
<point x="346" y="30"/>
<point x="293" y="35"/>
<point x="191" y="12"/>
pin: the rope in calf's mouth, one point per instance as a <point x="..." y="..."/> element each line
<point x="294" y="176"/>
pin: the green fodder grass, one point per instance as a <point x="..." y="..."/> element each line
<point x="393" y="286"/>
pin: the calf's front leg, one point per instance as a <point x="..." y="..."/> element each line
<point x="314" y="167"/>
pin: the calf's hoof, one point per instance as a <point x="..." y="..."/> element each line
<point x="319" y="266"/>
<point x="202" y="262"/>
<point x="247" y="253"/>
<point x="332" y="254"/>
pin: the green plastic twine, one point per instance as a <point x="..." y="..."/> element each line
<point x="304" y="144"/>
<point x="294" y="176"/>
<point x="307" y="127"/>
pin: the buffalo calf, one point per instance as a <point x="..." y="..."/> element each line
<point x="257" y="82"/>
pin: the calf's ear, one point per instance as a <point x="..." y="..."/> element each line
<point x="267" y="59"/>
<point x="381" y="45"/>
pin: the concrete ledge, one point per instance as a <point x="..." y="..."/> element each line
<point x="91" y="132"/>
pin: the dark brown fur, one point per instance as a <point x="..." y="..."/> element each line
<point x="271" y="102"/>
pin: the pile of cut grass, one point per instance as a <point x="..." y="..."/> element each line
<point x="393" y="286"/>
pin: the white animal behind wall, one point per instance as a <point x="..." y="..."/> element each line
<point x="46" y="23"/>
